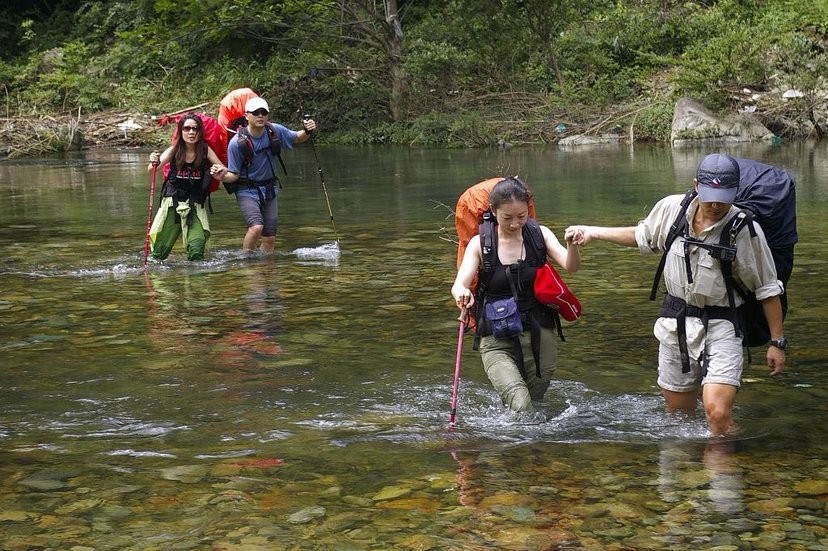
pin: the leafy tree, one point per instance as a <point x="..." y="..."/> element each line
<point x="728" y="60"/>
<point x="414" y="71"/>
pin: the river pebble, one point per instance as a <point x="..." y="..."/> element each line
<point x="44" y="482"/>
<point x="391" y="492"/>
<point x="430" y="511"/>
<point x="812" y="487"/>
<point x="306" y="515"/>
<point x="188" y="474"/>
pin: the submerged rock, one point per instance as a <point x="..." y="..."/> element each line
<point x="306" y="515"/>
<point x="391" y="492"/>
<point x="189" y="474"/>
<point x="45" y="481"/>
<point x="812" y="487"/>
<point x="18" y="516"/>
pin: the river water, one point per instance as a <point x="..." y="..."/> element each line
<point x="302" y="401"/>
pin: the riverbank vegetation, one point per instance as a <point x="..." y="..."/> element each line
<point x="422" y="72"/>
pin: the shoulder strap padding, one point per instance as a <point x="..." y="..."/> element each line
<point x="246" y="146"/>
<point x="678" y="228"/>
<point x="533" y="234"/>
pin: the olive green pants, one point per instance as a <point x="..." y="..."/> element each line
<point x="165" y="231"/>
<point x="501" y="367"/>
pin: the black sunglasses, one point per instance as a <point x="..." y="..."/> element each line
<point x="259" y="112"/>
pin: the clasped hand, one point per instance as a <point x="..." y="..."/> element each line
<point x="577" y="235"/>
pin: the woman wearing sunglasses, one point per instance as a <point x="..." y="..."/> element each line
<point x="184" y="192"/>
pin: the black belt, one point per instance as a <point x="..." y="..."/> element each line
<point x="674" y="307"/>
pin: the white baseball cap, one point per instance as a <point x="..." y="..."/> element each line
<point x="254" y="104"/>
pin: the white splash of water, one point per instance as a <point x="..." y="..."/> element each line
<point x="328" y="253"/>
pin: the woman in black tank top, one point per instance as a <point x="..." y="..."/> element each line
<point x="520" y="368"/>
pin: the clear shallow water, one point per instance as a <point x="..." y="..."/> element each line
<point x="301" y="402"/>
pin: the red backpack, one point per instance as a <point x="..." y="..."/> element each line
<point x="214" y="135"/>
<point x="231" y="110"/>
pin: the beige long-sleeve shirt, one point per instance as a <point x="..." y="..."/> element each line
<point x="753" y="266"/>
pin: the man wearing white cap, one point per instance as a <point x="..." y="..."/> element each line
<point x="253" y="158"/>
<point x="698" y="341"/>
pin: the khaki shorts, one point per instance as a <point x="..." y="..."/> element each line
<point x="723" y="355"/>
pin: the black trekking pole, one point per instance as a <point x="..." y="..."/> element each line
<point x="306" y="117"/>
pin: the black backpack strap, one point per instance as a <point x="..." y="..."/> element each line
<point x="537" y="244"/>
<point x="534" y="235"/>
<point x="678" y="228"/>
<point x="730" y="231"/>
<point x="488" y="250"/>
<point x="245" y="146"/>
<point x="276" y="149"/>
<point x="488" y="242"/>
<point x="206" y="177"/>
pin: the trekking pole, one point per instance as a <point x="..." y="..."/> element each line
<point x="457" y="366"/>
<point x="149" y="215"/>
<point x="321" y="177"/>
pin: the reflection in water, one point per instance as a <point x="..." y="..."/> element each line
<point x="726" y="486"/>
<point x="715" y="482"/>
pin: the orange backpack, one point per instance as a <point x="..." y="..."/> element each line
<point x="231" y="109"/>
<point x="468" y="215"/>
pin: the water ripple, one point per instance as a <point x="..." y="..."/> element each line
<point x="571" y="413"/>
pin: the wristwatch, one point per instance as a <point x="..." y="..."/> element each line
<point x="781" y="343"/>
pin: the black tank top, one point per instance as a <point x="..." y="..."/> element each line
<point x="523" y="276"/>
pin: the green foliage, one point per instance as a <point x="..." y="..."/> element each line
<point x="800" y="48"/>
<point x="434" y="129"/>
<point x="63" y="78"/>
<point x="462" y="63"/>
<point x="655" y="122"/>
<point x="439" y="65"/>
<point x="802" y="61"/>
<point x="731" y="59"/>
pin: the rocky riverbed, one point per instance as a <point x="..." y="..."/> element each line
<point x="686" y="496"/>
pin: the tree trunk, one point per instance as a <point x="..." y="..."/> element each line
<point x="393" y="42"/>
<point x="383" y="28"/>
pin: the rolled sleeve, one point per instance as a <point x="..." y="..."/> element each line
<point x="644" y="238"/>
<point x="770" y="290"/>
<point x="754" y="266"/>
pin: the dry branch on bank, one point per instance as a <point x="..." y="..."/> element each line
<point x="35" y="135"/>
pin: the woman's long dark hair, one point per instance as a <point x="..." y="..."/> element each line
<point x="509" y="189"/>
<point x="180" y="146"/>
